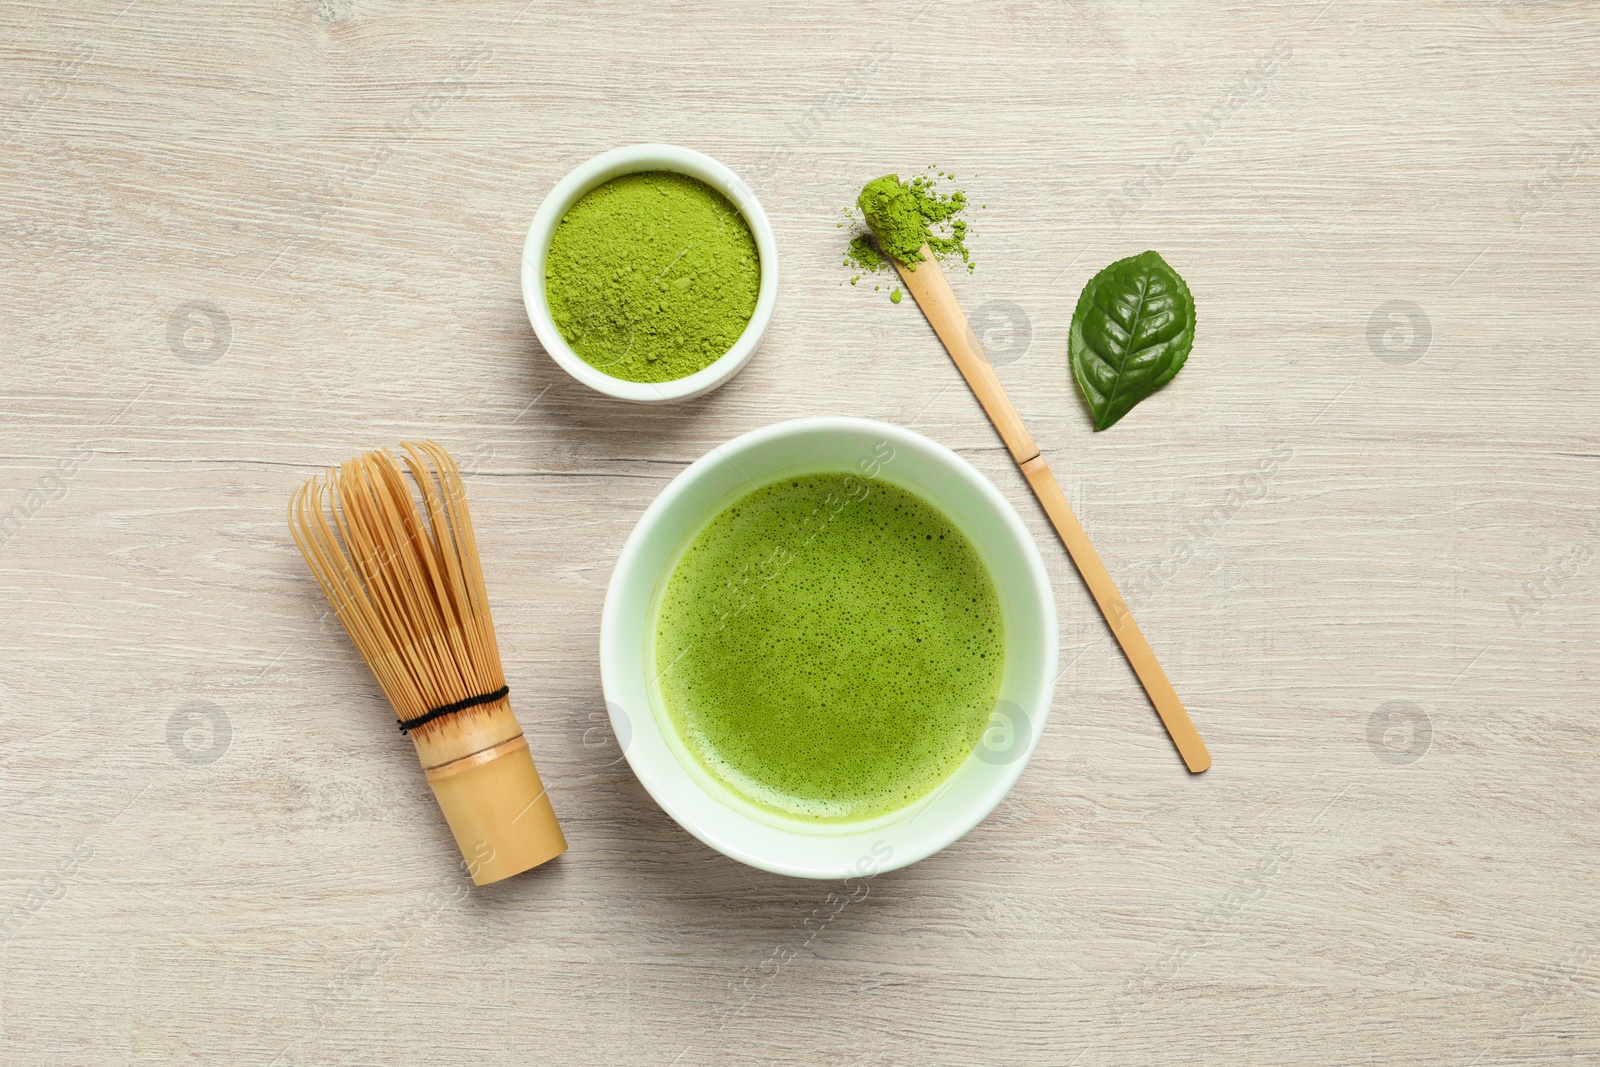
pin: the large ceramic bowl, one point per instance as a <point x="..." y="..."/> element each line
<point x="596" y="172"/>
<point x="758" y="836"/>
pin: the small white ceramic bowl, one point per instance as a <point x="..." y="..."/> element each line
<point x="758" y="836"/>
<point x="598" y="171"/>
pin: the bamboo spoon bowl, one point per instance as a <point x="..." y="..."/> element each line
<point x="927" y="284"/>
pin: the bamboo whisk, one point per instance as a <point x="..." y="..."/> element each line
<point x="409" y="589"/>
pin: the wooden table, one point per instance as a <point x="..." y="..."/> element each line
<point x="241" y="242"/>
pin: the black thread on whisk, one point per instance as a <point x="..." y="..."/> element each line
<point x="460" y="705"/>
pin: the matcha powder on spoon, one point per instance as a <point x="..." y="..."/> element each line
<point x="652" y="276"/>
<point x="903" y="216"/>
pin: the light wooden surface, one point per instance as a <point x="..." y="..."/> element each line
<point x="242" y="241"/>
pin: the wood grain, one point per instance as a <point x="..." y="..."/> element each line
<point x="243" y="241"/>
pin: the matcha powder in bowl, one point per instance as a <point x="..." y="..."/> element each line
<point x="652" y="276"/>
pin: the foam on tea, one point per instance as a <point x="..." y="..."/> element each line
<point x="829" y="647"/>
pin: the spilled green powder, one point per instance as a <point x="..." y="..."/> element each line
<point x="652" y="276"/>
<point x="864" y="254"/>
<point x="903" y="216"/>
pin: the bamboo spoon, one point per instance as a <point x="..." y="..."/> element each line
<point x="927" y="283"/>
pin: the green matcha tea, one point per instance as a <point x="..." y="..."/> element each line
<point x="652" y="276"/>
<point x="829" y="647"/>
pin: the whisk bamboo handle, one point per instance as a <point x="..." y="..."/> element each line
<point x="926" y="282"/>
<point x="483" y="775"/>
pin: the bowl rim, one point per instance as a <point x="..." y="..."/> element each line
<point x="593" y="172"/>
<point x="611" y="652"/>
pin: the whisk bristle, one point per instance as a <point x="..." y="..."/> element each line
<point x="404" y="579"/>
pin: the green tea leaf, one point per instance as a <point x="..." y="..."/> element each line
<point x="1131" y="333"/>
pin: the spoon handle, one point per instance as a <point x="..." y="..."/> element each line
<point x="927" y="283"/>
